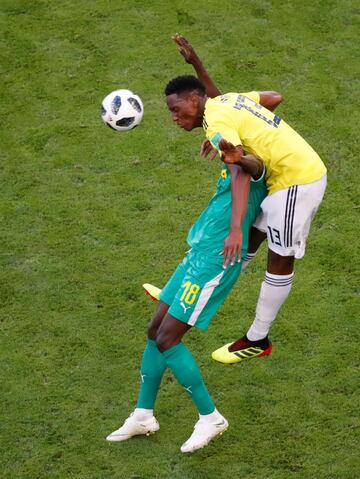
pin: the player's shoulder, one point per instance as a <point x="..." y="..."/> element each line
<point x="233" y="96"/>
<point x="220" y="106"/>
<point x="252" y="95"/>
<point x="221" y="100"/>
<point x="228" y="101"/>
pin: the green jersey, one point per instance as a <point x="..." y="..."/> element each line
<point x="213" y="225"/>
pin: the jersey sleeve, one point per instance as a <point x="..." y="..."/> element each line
<point x="253" y="95"/>
<point x="220" y="125"/>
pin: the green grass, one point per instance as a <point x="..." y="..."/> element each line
<point x="88" y="215"/>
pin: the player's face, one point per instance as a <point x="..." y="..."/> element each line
<point x="185" y="110"/>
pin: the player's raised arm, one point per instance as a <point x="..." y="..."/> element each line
<point x="191" y="57"/>
<point x="268" y="99"/>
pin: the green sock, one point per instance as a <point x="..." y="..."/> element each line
<point x="153" y="366"/>
<point x="186" y="371"/>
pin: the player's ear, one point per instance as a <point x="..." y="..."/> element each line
<point x="195" y="100"/>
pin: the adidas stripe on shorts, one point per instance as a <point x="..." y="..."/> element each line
<point x="286" y="217"/>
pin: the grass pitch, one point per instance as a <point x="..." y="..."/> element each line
<point x="88" y="215"/>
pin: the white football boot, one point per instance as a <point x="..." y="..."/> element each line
<point x="134" y="427"/>
<point x="204" y="431"/>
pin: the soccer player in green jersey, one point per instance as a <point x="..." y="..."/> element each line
<point x="192" y="296"/>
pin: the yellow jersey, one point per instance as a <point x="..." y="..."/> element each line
<point x="240" y="119"/>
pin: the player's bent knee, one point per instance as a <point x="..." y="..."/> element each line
<point x="154" y="326"/>
<point x="165" y="341"/>
<point x="170" y="333"/>
<point x="280" y="264"/>
<point x="152" y="330"/>
<point x="166" y="338"/>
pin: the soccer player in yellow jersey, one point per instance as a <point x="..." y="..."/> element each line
<point x="237" y="124"/>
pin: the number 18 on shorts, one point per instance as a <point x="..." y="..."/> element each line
<point x="198" y="287"/>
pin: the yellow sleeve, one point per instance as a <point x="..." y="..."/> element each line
<point x="253" y="95"/>
<point x="220" y="125"/>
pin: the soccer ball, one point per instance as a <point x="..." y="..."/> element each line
<point x="122" y="110"/>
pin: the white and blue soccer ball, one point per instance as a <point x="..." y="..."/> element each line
<point x="122" y="110"/>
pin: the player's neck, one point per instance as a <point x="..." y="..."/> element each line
<point x="201" y="110"/>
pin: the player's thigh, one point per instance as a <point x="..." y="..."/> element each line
<point x="166" y="297"/>
<point x="161" y="310"/>
<point x="287" y="215"/>
<point x="203" y="289"/>
<point x="256" y="238"/>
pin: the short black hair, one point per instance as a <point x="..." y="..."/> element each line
<point x="184" y="83"/>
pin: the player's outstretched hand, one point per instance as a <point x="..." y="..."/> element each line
<point x="232" y="247"/>
<point x="185" y="49"/>
<point x="206" y="149"/>
<point x="230" y="153"/>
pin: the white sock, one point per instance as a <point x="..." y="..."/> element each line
<point x="274" y="291"/>
<point x="247" y="260"/>
<point x="212" y="417"/>
<point x="141" y="414"/>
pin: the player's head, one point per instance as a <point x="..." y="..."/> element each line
<point x="185" y="98"/>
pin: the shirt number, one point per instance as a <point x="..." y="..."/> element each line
<point x="190" y="292"/>
<point x="243" y="102"/>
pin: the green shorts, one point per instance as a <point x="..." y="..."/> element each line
<point x="198" y="288"/>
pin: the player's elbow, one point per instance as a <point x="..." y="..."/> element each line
<point x="277" y="98"/>
<point x="270" y="99"/>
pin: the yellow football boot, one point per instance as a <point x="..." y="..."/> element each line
<point x="241" y="350"/>
<point x="152" y="291"/>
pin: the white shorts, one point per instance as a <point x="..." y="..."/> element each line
<point x="286" y="217"/>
